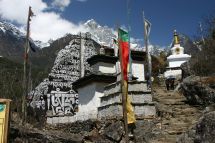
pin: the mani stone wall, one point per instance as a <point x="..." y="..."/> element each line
<point x="141" y="100"/>
<point x="55" y="96"/>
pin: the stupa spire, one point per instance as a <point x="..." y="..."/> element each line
<point x="176" y="38"/>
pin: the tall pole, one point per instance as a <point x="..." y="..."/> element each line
<point x="149" y="64"/>
<point x="25" y="79"/>
<point x="129" y="47"/>
<point x="124" y="88"/>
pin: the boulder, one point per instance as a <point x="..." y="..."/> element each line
<point x="197" y="90"/>
<point x="114" y="131"/>
<point x="187" y="137"/>
<point x="186" y="71"/>
<point x="203" y="132"/>
<point x="19" y="134"/>
<point x="205" y="128"/>
<point x="147" y="131"/>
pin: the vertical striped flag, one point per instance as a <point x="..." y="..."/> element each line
<point x="124" y="46"/>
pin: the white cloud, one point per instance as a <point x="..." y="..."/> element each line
<point x="133" y="40"/>
<point x="45" y="25"/>
<point x="17" y="10"/>
<point x="51" y="25"/>
<point x="61" y="4"/>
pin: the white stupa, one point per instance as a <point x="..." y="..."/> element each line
<point x="176" y="59"/>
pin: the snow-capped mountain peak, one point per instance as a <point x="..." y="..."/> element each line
<point x="101" y="34"/>
<point x="104" y="35"/>
<point x="92" y="23"/>
<point x="9" y="28"/>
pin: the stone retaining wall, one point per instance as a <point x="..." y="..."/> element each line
<point x="141" y="100"/>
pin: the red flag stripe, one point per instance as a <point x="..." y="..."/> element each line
<point x="125" y="58"/>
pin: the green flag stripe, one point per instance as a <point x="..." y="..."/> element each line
<point x="123" y="35"/>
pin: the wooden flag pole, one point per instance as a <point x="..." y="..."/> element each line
<point x="25" y="80"/>
<point x="124" y="89"/>
<point x="129" y="47"/>
<point x="147" y="52"/>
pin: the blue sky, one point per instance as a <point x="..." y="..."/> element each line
<point x="165" y="15"/>
<point x="55" y="18"/>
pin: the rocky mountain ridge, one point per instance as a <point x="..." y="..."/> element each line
<point x="12" y="41"/>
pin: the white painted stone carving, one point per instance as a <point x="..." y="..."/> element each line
<point x="62" y="103"/>
<point x="56" y="92"/>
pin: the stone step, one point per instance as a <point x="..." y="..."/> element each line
<point x="175" y="115"/>
<point x="133" y="86"/>
<point x="115" y="110"/>
<point x="167" y="139"/>
<point x="179" y="124"/>
<point x="172" y="102"/>
<point x="186" y="111"/>
<point x="135" y="97"/>
<point x="187" y="119"/>
<point x="175" y="132"/>
<point x="161" y="98"/>
<point x="169" y="95"/>
<point x="176" y="126"/>
<point x="173" y="120"/>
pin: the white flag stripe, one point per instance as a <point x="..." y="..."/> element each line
<point x="147" y="27"/>
<point x="28" y="49"/>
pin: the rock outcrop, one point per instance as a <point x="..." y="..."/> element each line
<point x="186" y="71"/>
<point x="20" y="134"/>
<point x="205" y="128"/>
<point x="114" y="131"/>
<point x="89" y="131"/>
<point x="199" y="90"/>
<point x="202" y="132"/>
<point x="55" y="95"/>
